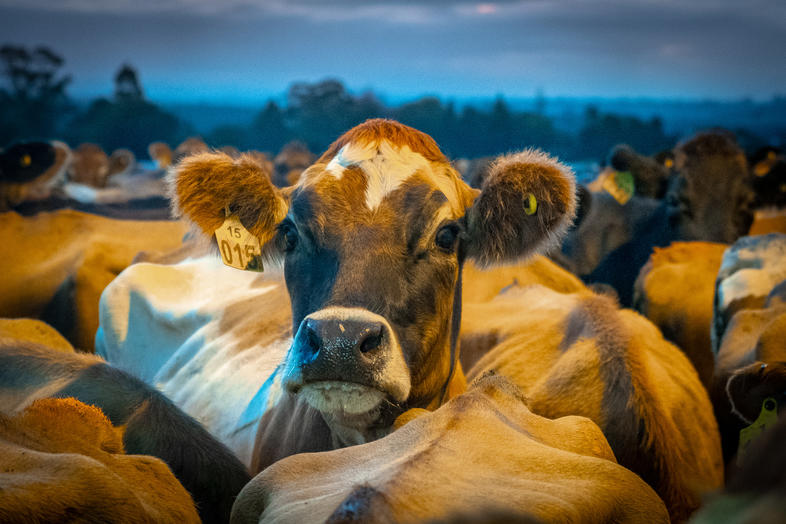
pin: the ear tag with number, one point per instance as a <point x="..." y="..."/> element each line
<point x="239" y="248"/>
<point x="620" y="185"/>
<point x="767" y="418"/>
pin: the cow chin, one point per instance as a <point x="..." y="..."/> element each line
<point x="342" y="400"/>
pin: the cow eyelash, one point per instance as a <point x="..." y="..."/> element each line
<point x="288" y="238"/>
<point x="447" y="237"/>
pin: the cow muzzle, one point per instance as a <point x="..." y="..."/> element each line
<point x="346" y="362"/>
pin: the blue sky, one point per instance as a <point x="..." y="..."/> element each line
<point x="244" y="51"/>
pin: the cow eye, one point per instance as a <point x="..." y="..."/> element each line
<point x="446" y="237"/>
<point x="289" y="238"/>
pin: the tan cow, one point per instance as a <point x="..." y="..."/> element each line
<point x="161" y="154"/>
<point x="63" y="461"/>
<point x="482" y="453"/>
<point x="89" y="166"/>
<point x="578" y="354"/>
<point x="55" y="265"/>
<point x="675" y="290"/>
<point x="29" y="171"/>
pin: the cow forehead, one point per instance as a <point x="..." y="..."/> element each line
<point x="384" y="167"/>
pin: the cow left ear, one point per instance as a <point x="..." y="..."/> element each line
<point x="526" y="204"/>
<point x="204" y="186"/>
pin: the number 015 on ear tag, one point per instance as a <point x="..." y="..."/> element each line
<point x="239" y="248"/>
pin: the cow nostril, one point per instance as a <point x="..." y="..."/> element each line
<point x="371" y="343"/>
<point x="312" y="340"/>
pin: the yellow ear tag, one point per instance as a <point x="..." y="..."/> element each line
<point x="619" y="184"/>
<point x="668" y="163"/>
<point x="239" y="248"/>
<point x="761" y="168"/>
<point x="530" y="204"/>
<point x="25" y="160"/>
<point x="767" y="418"/>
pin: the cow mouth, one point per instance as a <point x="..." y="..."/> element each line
<point x="343" y="399"/>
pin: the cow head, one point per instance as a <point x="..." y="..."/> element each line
<point x="373" y="237"/>
<point x="710" y="197"/>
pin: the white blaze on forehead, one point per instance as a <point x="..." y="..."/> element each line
<point x="386" y="167"/>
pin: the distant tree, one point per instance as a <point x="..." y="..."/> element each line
<point x="127" y="86"/>
<point x="32" y="94"/>
<point x="269" y="131"/>
<point x="500" y="133"/>
<point x="601" y="131"/>
<point x="127" y="121"/>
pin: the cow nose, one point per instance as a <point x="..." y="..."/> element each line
<point x="355" y="336"/>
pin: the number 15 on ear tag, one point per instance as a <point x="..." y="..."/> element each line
<point x="239" y="248"/>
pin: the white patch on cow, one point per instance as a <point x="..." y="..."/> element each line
<point x="341" y="398"/>
<point x="386" y="167"/>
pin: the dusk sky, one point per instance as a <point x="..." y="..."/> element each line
<point x="245" y="51"/>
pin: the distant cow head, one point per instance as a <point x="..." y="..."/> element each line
<point x="710" y="196"/>
<point x="373" y="238"/>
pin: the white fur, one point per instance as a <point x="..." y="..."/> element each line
<point x="341" y="398"/>
<point x="386" y="167"/>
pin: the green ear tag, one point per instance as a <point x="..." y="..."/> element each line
<point x="530" y="204"/>
<point x="767" y="418"/>
<point x="239" y="248"/>
<point x="620" y="185"/>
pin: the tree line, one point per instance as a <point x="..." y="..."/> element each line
<point x="34" y="104"/>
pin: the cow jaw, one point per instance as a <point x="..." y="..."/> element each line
<point x="344" y="400"/>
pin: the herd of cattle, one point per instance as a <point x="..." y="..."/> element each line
<point x="520" y="348"/>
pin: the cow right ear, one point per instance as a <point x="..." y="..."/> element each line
<point x="204" y="186"/>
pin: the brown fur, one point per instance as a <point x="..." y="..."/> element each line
<point x="482" y="453"/>
<point x="89" y="166"/>
<point x="580" y="355"/>
<point x="501" y="230"/>
<point x="161" y="153"/>
<point x="35" y="331"/>
<point x="63" y="461"/>
<point x="675" y="290"/>
<point x="205" y="184"/>
<point x="188" y="147"/>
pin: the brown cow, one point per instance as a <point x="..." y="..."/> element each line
<point x="63" y="461"/>
<point x="89" y="166"/>
<point x="373" y="238"/>
<point x="57" y="264"/>
<point x="578" y="354"/>
<point x="151" y="424"/>
<point x="749" y="329"/>
<point x="161" y="154"/>
<point x="484" y="452"/>
<point x="290" y="162"/>
<point x="675" y="290"/>
<point x="30" y="170"/>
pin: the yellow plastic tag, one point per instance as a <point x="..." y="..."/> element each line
<point x="25" y="161"/>
<point x="530" y="204"/>
<point x="619" y="184"/>
<point x="767" y="417"/>
<point x="239" y="248"/>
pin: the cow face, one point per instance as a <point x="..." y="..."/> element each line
<point x="710" y="196"/>
<point x="372" y="238"/>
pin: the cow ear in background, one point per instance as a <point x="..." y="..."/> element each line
<point x="204" y="185"/>
<point x="526" y="204"/>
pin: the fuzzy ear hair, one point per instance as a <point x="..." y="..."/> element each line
<point x="526" y="204"/>
<point x="204" y="185"/>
